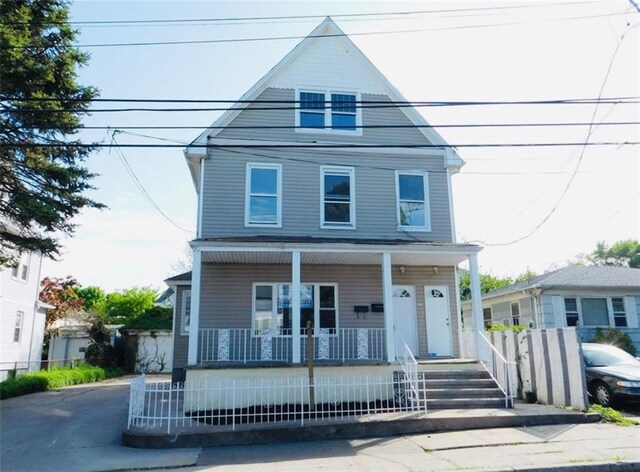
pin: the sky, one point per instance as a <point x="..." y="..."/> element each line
<point x="521" y="204"/>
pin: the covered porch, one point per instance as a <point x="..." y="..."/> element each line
<point x="336" y="301"/>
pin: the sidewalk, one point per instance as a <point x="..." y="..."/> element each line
<point x="581" y="447"/>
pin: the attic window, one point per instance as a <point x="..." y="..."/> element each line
<point x="328" y="111"/>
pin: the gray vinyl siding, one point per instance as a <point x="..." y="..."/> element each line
<point x="180" y="342"/>
<point x="227" y="293"/>
<point x="375" y="195"/>
<point x="253" y="116"/>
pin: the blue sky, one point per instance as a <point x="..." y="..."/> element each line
<point x="500" y="195"/>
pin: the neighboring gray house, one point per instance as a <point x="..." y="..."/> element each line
<point x="22" y="316"/>
<point x="588" y="297"/>
<point x="356" y="238"/>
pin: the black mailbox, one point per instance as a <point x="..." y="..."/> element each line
<point x="377" y="308"/>
<point x="361" y="310"/>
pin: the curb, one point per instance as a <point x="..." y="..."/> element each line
<point x="593" y="466"/>
<point x="137" y="439"/>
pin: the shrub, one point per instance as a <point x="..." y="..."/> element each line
<point x="54" y="378"/>
<point x="615" y="337"/>
<point x="501" y="327"/>
<point x="155" y="318"/>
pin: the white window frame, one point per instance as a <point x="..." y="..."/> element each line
<point x="327" y="111"/>
<point x="18" y="326"/>
<point x="427" y="202"/>
<point x="610" y="313"/>
<point x="247" y="195"/>
<point x="515" y="316"/>
<point x="184" y="328"/>
<point x="352" y="197"/>
<point x="274" y="306"/>
<point x="22" y="268"/>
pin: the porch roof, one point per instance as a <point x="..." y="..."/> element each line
<point x="331" y="251"/>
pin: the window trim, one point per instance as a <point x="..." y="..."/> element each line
<point x="247" y="195"/>
<point x="327" y="112"/>
<point x="427" y="202"/>
<point x="274" y="306"/>
<point x="610" y="313"/>
<point x="184" y="329"/>
<point x="352" y="197"/>
<point x="19" y="324"/>
<point x="517" y="316"/>
<point x="25" y="262"/>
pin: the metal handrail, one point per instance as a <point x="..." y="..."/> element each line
<point x="506" y="388"/>
<point x="410" y="368"/>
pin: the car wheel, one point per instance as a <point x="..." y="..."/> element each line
<point x="602" y="394"/>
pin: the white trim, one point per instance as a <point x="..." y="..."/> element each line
<point x="194" y="325"/>
<point x="328" y="112"/>
<point x="200" y="199"/>
<point x="338" y="170"/>
<point x="389" y="316"/>
<point x="451" y="212"/>
<point x="247" y="195"/>
<point x="295" y="306"/>
<point x="183" y="309"/>
<point x="476" y="301"/>
<point x="427" y="202"/>
<point x="340" y="147"/>
<point x="18" y="325"/>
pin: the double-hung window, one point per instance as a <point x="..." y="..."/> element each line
<point x="329" y="111"/>
<point x="17" y="331"/>
<point x="263" y="201"/>
<point x="515" y="313"/>
<point x="412" y="190"/>
<point x="21" y="270"/>
<point x="272" y="307"/>
<point x="571" y="311"/>
<point x="619" y="315"/>
<point x="337" y="192"/>
<point x="185" y="321"/>
<point x="595" y="311"/>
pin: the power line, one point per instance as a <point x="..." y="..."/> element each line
<point x="583" y="146"/>
<point x="133" y="176"/>
<point x="304" y="17"/>
<point x="320" y="146"/>
<point x="387" y="126"/>
<point x="323" y="36"/>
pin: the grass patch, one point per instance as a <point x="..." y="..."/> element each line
<point x="612" y="416"/>
<point x="55" y="378"/>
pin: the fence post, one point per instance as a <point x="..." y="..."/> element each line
<point x="169" y="409"/>
<point x="233" y="406"/>
<point x="301" y="401"/>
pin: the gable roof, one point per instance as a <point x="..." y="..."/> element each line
<point x="327" y="28"/>
<point x="577" y="277"/>
<point x="179" y="279"/>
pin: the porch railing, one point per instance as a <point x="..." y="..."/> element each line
<point x="415" y="394"/>
<point x="346" y="344"/>
<point x="231" y="404"/>
<point x="500" y="370"/>
<point x="246" y="346"/>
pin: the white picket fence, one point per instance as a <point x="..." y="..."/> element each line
<point x="252" y="403"/>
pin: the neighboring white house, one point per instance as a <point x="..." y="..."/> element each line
<point x="588" y="297"/>
<point x="22" y="316"/>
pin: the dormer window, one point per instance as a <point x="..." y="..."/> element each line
<point x="328" y="111"/>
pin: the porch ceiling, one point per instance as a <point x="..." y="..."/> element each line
<point x="412" y="258"/>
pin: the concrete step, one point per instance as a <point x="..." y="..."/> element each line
<point x="458" y="383"/>
<point x="454" y="374"/>
<point x="471" y="394"/>
<point x="464" y="403"/>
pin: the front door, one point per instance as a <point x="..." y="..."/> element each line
<point x="438" y="315"/>
<point x="404" y="312"/>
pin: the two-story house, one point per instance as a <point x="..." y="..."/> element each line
<point x="324" y="201"/>
<point x="22" y="316"/>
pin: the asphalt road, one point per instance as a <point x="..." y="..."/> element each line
<point x="79" y="428"/>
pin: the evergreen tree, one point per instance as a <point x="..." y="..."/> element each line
<point x="42" y="176"/>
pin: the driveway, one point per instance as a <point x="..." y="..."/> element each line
<point x="76" y="429"/>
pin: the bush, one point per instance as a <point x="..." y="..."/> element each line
<point x="615" y="337"/>
<point x="155" y="318"/>
<point x="501" y="327"/>
<point x="54" y="378"/>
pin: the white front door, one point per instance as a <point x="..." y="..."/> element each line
<point x="404" y="312"/>
<point x="436" y="305"/>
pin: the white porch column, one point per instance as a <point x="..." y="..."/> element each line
<point x="194" y="322"/>
<point x="387" y="290"/>
<point x="295" y="306"/>
<point x="476" y="300"/>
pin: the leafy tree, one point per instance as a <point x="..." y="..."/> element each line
<point x="624" y="253"/>
<point x="488" y="283"/>
<point x="100" y="352"/>
<point x="42" y="176"/>
<point x="93" y="298"/>
<point x="60" y="293"/>
<point x="129" y="304"/>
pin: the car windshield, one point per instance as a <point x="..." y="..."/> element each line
<point x="605" y="356"/>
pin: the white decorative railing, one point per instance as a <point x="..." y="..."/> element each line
<point x="346" y="344"/>
<point x="500" y="370"/>
<point x="230" y="404"/>
<point x="246" y="346"/>
<point x="243" y="345"/>
<point x="416" y="395"/>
